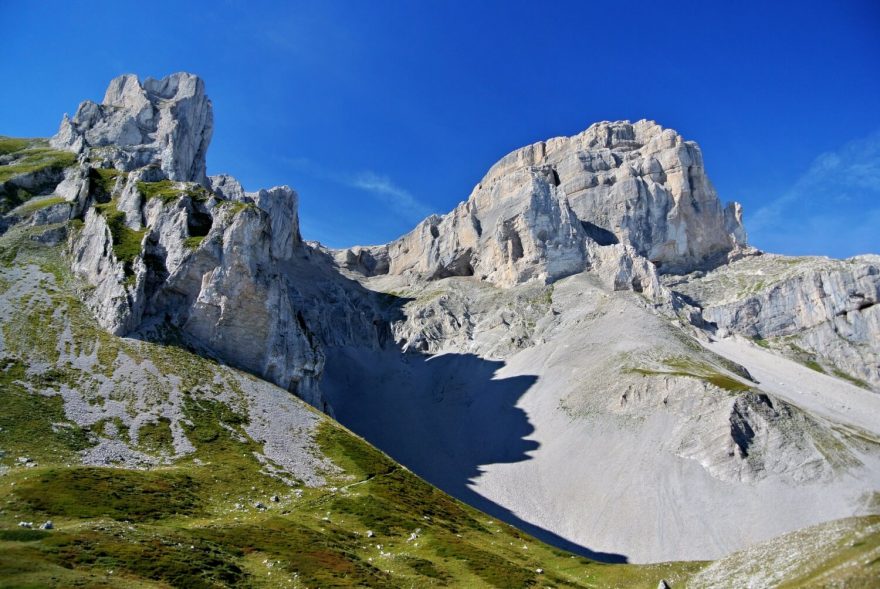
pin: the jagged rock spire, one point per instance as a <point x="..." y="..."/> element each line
<point x="167" y="123"/>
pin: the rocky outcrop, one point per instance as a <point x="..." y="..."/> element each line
<point x="539" y="212"/>
<point x="228" y="295"/>
<point x="167" y="123"/>
<point x="169" y="251"/>
<point x="230" y="276"/>
<point x="819" y="310"/>
<point x="544" y="315"/>
<point x="637" y="184"/>
<point x="518" y="229"/>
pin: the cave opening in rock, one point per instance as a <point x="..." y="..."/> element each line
<point x="598" y="234"/>
<point x="198" y="223"/>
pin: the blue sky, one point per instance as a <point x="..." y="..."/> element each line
<point x="381" y="112"/>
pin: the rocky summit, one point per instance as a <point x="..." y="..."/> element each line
<point x="586" y="349"/>
<point x="158" y="123"/>
<point x="539" y="212"/>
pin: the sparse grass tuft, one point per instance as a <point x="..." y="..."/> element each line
<point x="762" y="342"/>
<point x="813" y="365"/>
<point x="43" y="203"/>
<point x="36" y="160"/>
<point x="851" y="379"/>
<point x="26" y="157"/>
<point x="193" y="242"/>
<point x="169" y="191"/>
<point x="235" y="207"/>
<point x="104" y="179"/>
<point x="9" y="145"/>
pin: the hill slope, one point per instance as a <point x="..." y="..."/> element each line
<point x="159" y="467"/>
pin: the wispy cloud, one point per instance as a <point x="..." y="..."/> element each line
<point x="831" y="209"/>
<point x="390" y="193"/>
<point x="399" y="201"/>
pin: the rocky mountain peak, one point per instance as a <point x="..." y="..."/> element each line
<point x="542" y="210"/>
<point x="164" y="123"/>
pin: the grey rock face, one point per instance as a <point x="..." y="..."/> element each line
<point x="638" y="184"/>
<point x="601" y="360"/>
<point x="804" y="306"/>
<point x="229" y="295"/>
<point x="535" y="212"/>
<point x="225" y="267"/>
<point x="167" y="123"/>
<point x="114" y="301"/>
<point x="517" y="229"/>
<point x="232" y="276"/>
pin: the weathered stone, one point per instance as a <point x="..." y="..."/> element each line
<point x="167" y="123"/>
<point x="533" y="214"/>
<point x="824" y="307"/>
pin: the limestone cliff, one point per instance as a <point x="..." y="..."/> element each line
<point x="535" y="212"/>
<point x="819" y="311"/>
<point x="579" y="318"/>
<point x="167" y="248"/>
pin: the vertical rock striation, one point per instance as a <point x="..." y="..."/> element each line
<point x="170" y="251"/>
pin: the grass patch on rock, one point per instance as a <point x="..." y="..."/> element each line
<point x="169" y="191"/>
<point x="851" y="379"/>
<point x="32" y="156"/>
<point x="35" y="205"/>
<point x="28" y="167"/>
<point x="687" y="367"/>
<point x="196" y="522"/>
<point x="103" y="180"/>
<point x="126" y="241"/>
<point x="193" y="242"/>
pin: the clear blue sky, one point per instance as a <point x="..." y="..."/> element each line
<point x="381" y="112"/>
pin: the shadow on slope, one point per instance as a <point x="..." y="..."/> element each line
<point x="442" y="416"/>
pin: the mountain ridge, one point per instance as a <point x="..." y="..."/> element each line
<point x="590" y="277"/>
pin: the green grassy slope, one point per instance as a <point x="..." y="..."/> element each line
<point x="22" y="157"/>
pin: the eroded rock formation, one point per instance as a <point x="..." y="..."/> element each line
<point x="535" y="212"/>
<point x="550" y="311"/>
<point x="166" y="247"/>
<point x="165" y="122"/>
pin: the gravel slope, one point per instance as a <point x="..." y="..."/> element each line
<point x="568" y="439"/>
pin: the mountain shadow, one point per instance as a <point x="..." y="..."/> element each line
<point x="444" y="417"/>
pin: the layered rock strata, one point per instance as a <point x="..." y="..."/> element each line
<point x="818" y="310"/>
